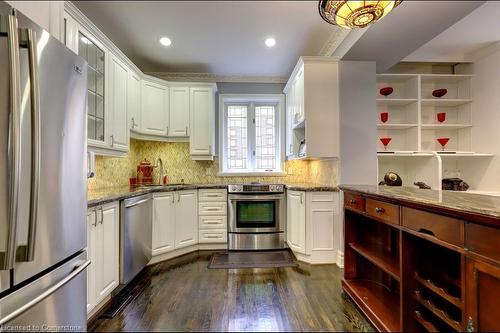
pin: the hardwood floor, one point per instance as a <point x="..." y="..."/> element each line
<point x="184" y="295"/>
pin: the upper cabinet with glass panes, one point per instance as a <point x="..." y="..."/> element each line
<point x="95" y="57"/>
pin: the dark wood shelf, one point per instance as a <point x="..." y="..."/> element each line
<point x="441" y="292"/>
<point x="426" y="324"/>
<point x="441" y="314"/>
<point x="385" y="260"/>
<point x="376" y="302"/>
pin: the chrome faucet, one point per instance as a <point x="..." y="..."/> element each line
<point x="159" y="164"/>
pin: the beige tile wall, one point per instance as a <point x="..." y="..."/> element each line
<point x="179" y="166"/>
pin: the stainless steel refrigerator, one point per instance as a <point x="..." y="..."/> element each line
<point x="42" y="179"/>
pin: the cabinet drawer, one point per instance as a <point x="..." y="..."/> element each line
<point x="212" y="208"/>
<point x="209" y="195"/>
<point x="382" y="210"/>
<point x="354" y="201"/>
<point x="443" y="228"/>
<point x="213" y="236"/>
<point x="482" y="240"/>
<point x="212" y="222"/>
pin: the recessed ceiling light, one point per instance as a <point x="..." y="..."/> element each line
<point x="270" y="42"/>
<point x="165" y="41"/>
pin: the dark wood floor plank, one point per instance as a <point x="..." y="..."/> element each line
<point x="184" y="295"/>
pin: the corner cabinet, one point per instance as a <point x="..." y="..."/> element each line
<point x="154" y="108"/>
<point x="202" y="123"/>
<point x="134" y="101"/>
<point x="312" y="108"/>
<point x="179" y="111"/>
<point x="118" y="93"/>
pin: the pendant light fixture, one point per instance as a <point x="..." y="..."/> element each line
<point x="352" y="14"/>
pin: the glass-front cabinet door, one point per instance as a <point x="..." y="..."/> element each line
<point x="95" y="57"/>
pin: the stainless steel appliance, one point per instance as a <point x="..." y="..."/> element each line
<point x="256" y="216"/>
<point x="43" y="200"/>
<point x="135" y="236"/>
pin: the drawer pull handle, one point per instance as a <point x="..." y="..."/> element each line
<point x="352" y="202"/>
<point x="426" y="232"/>
<point x="213" y="222"/>
<point x="212" y="195"/>
<point x="213" y="209"/>
<point x="379" y="210"/>
<point x="208" y="236"/>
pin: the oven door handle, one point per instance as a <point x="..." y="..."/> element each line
<point x="260" y="197"/>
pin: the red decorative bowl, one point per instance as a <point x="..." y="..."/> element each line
<point x="439" y="92"/>
<point x="386" y="91"/>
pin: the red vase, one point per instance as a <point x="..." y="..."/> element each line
<point x="443" y="142"/>
<point x="441" y="116"/>
<point x="385" y="142"/>
<point x="439" y="92"/>
<point x="384" y="116"/>
<point x="386" y="91"/>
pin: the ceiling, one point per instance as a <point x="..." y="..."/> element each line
<point x="215" y="37"/>
<point x="458" y="43"/>
<point x="406" y="29"/>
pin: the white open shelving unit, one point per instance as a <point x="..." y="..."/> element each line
<point x="414" y="152"/>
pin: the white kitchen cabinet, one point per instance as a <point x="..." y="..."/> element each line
<point x="179" y="111"/>
<point x="296" y="222"/>
<point x="154" y="108"/>
<point x="163" y="222"/>
<point x="186" y="219"/>
<point x="118" y="91"/>
<point x="212" y="211"/>
<point x="103" y="251"/>
<point x="202" y="123"/>
<point x="47" y="14"/>
<point x="134" y="101"/>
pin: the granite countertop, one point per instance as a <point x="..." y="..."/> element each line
<point x="102" y="196"/>
<point x="453" y="201"/>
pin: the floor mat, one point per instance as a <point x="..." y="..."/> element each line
<point x="252" y="259"/>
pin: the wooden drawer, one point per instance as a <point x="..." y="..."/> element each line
<point x="354" y="201"/>
<point x="213" y="236"/>
<point x="209" y="195"/>
<point x="383" y="211"/>
<point x="443" y="228"/>
<point x="213" y="208"/>
<point x="212" y="222"/>
<point x="483" y="240"/>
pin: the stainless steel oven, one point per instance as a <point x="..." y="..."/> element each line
<point x="256" y="216"/>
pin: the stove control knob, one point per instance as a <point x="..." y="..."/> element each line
<point x="236" y="188"/>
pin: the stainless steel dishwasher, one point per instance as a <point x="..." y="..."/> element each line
<point x="135" y="236"/>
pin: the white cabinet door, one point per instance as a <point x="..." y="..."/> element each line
<point x="107" y="250"/>
<point x="296" y="221"/>
<point x="290" y="107"/>
<point x="163" y="223"/>
<point x="134" y="101"/>
<point x="47" y="14"/>
<point x="299" y="96"/>
<point x="118" y="81"/>
<point x="179" y="111"/>
<point x="154" y="109"/>
<point x="94" y="259"/>
<point x="202" y="115"/>
<point x="186" y="219"/>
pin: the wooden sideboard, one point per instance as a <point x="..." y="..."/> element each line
<point x="412" y="266"/>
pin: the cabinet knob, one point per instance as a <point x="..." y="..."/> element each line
<point x="352" y="202"/>
<point x="379" y="210"/>
<point x="112" y="140"/>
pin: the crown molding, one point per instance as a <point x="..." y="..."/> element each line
<point x="336" y="38"/>
<point x="207" y="77"/>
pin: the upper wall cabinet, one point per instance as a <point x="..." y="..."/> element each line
<point x="312" y="114"/>
<point x="202" y="113"/>
<point x="179" y="111"/>
<point x="118" y="82"/>
<point x="134" y="101"/>
<point x="154" y="108"/>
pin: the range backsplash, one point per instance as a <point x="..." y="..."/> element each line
<point x="113" y="171"/>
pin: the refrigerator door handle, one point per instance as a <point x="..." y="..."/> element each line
<point x="45" y="294"/>
<point x="28" y="39"/>
<point x="9" y="24"/>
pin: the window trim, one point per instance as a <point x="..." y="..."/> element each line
<point x="276" y="99"/>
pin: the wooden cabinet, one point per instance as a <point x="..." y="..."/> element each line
<point x="163" y="223"/>
<point x="134" y="101"/>
<point x="483" y="293"/>
<point x="179" y="111"/>
<point x="103" y="252"/>
<point x="118" y="98"/>
<point x="296" y="221"/>
<point x="212" y="211"/>
<point x="202" y="123"/>
<point x="154" y="108"/>
<point x="186" y="219"/>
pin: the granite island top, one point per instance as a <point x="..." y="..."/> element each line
<point x="480" y="205"/>
<point x="105" y="195"/>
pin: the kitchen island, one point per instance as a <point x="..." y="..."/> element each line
<point x="423" y="259"/>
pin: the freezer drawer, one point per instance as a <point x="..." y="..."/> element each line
<point x="54" y="302"/>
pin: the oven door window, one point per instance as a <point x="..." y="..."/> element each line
<point x="255" y="214"/>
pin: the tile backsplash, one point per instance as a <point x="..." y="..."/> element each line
<point x="113" y="171"/>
